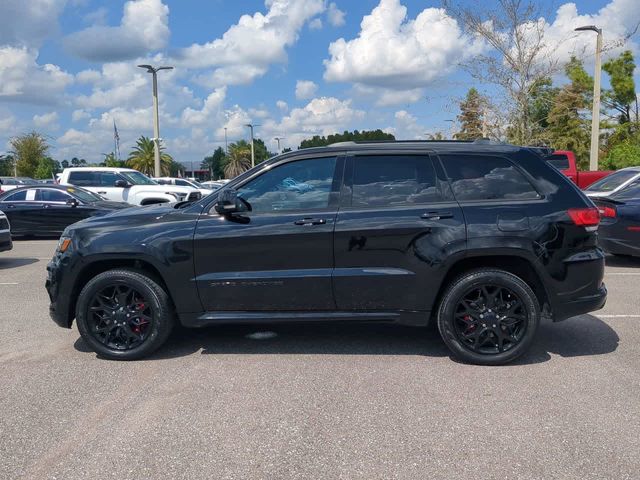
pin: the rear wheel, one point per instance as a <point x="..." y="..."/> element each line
<point x="488" y="317"/>
<point x="124" y="315"/>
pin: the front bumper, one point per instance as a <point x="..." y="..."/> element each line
<point x="5" y="240"/>
<point x="60" y="306"/>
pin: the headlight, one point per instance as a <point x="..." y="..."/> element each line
<point x="178" y="195"/>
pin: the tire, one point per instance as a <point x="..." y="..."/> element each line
<point x="504" y="333"/>
<point x="147" y="315"/>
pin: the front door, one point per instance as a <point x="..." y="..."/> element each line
<point x="396" y="228"/>
<point x="278" y="256"/>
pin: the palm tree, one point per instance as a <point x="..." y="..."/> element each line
<point x="142" y="157"/>
<point x="238" y="159"/>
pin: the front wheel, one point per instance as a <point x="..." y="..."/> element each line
<point x="488" y="317"/>
<point x="124" y="315"/>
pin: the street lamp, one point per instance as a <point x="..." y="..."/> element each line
<point x="595" y="115"/>
<point x="156" y="120"/>
<point x="453" y="123"/>
<point x="277" y="139"/>
<point x="253" y="155"/>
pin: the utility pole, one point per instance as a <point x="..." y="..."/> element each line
<point x="156" y="118"/>
<point x="595" y="114"/>
<point x="452" y="124"/>
<point x="253" y="154"/>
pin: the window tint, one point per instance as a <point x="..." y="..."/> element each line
<point x="561" y="162"/>
<point x="631" y="191"/>
<point x="108" y="179"/>
<point x="81" y="179"/>
<point x="162" y="181"/>
<point x="482" y="177"/>
<point x="17" y="197"/>
<point x="392" y="180"/>
<point x="51" y="195"/>
<point x="301" y="185"/>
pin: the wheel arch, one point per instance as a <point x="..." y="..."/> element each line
<point x="514" y="263"/>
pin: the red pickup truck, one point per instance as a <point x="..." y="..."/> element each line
<point x="565" y="161"/>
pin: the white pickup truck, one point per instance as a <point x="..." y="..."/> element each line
<point x="126" y="185"/>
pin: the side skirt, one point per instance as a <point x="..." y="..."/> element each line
<point x="195" y="320"/>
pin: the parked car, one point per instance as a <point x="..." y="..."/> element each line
<point x="184" y="182"/>
<point x="47" y="210"/>
<point x="5" y="233"/>
<point x="565" y="161"/>
<point x="480" y="238"/>
<point x="619" y="231"/>
<point x="126" y="185"/>
<point x="613" y="183"/>
<point x="214" y="184"/>
<point x="9" y="183"/>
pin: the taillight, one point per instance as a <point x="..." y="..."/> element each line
<point x="607" y="212"/>
<point x="585" y="217"/>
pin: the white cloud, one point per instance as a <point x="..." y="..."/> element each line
<point x="398" y="54"/>
<point x="22" y="79"/>
<point x="407" y="126"/>
<point x="28" y="23"/>
<point x="211" y="109"/>
<point x="384" y="97"/>
<point x="305" y="89"/>
<point x="315" y="24"/>
<point x="144" y="28"/>
<point x="75" y="137"/>
<point x="248" y="48"/>
<point x="79" y="114"/>
<point x="282" y="105"/>
<point x="335" y="15"/>
<point x="46" y="120"/>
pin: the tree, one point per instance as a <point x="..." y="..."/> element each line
<point x="46" y="168"/>
<point x="215" y="163"/>
<point x="365" y="135"/>
<point x="622" y="96"/>
<point x="29" y="149"/>
<point x="238" y="159"/>
<point x="6" y="165"/>
<point x="567" y="129"/>
<point x="471" y="116"/>
<point x="65" y="163"/>
<point x="110" y="160"/>
<point x="624" y="154"/>
<point x="78" y="162"/>
<point x="520" y="60"/>
<point x="261" y="151"/>
<point x="142" y="157"/>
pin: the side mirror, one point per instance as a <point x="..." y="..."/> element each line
<point x="121" y="184"/>
<point x="229" y="202"/>
<point x="72" y="202"/>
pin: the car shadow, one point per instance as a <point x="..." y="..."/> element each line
<point x="15" y="262"/>
<point x="580" y="336"/>
<point x="622" y="261"/>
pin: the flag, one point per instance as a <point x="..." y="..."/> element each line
<point x="116" y="141"/>
<point x="116" y="137"/>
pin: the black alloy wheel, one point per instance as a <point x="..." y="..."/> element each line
<point x="488" y="317"/>
<point x="124" y="314"/>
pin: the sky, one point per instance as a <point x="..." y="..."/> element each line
<point x="297" y="68"/>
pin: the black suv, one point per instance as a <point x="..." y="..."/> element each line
<point x="482" y="238"/>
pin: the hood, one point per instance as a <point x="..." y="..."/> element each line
<point x="108" y="205"/>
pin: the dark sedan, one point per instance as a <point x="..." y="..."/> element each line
<point x="619" y="231"/>
<point x="47" y="210"/>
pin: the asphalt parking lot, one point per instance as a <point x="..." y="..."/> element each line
<point x="314" y="402"/>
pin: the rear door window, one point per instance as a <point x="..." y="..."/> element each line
<point x="486" y="177"/>
<point x="51" y="195"/>
<point x="84" y="179"/>
<point x="393" y="180"/>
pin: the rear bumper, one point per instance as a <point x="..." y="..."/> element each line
<point x="581" y="305"/>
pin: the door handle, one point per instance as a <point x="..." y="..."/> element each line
<point x="436" y="215"/>
<point x="102" y="193"/>
<point x="310" y="221"/>
<point x="11" y="206"/>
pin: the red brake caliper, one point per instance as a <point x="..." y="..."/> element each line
<point x="140" y="306"/>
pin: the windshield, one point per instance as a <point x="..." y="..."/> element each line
<point x="631" y="191"/>
<point x="196" y="184"/>
<point x="612" y="181"/>
<point x="84" y="195"/>
<point x="137" y="178"/>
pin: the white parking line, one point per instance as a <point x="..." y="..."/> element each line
<point x="622" y="273"/>
<point x="9" y="283"/>
<point x="618" y="316"/>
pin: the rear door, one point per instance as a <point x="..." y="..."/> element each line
<point x="396" y="227"/>
<point x="56" y="212"/>
<point x="23" y="212"/>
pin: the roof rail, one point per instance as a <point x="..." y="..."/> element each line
<point x="477" y="141"/>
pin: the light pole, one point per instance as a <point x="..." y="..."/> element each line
<point x="595" y="115"/>
<point x="253" y="155"/>
<point x="226" y="144"/>
<point x="277" y="139"/>
<point x="453" y="122"/>
<point x="156" y="120"/>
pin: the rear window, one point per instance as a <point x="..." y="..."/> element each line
<point x="561" y="162"/>
<point x="393" y="180"/>
<point x="484" y="177"/>
<point x="83" y="179"/>
<point x="17" y="197"/>
<point x="612" y="181"/>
